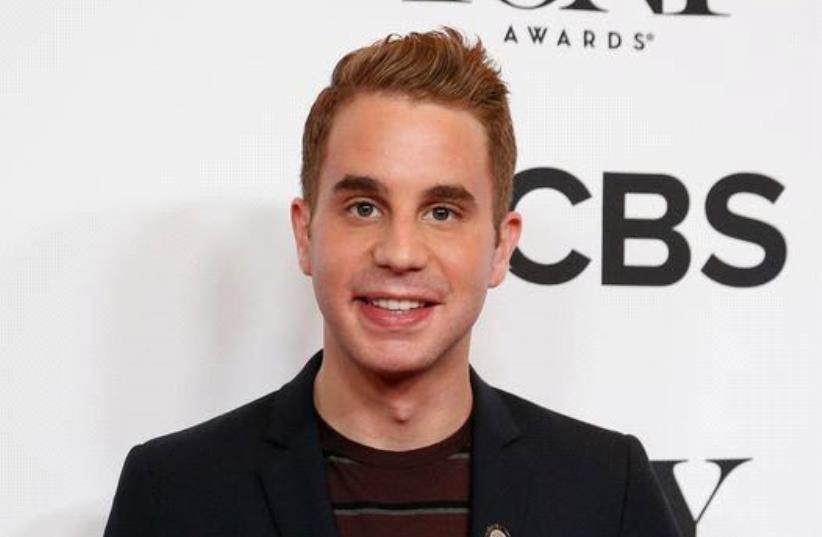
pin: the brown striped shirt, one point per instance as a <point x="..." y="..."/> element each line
<point x="416" y="493"/>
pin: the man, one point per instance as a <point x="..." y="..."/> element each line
<point x="408" y="159"/>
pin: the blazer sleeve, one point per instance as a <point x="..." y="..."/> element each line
<point x="645" y="510"/>
<point x="134" y="509"/>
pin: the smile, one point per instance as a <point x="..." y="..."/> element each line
<point x="396" y="305"/>
<point x="394" y="314"/>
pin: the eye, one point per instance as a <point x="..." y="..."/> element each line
<point x="363" y="209"/>
<point x="441" y="213"/>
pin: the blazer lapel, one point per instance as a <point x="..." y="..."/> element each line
<point x="501" y="475"/>
<point x="294" y="481"/>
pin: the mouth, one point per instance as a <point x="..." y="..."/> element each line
<point x="396" y="305"/>
<point x="394" y="313"/>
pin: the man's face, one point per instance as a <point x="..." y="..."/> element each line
<point x="401" y="247"/>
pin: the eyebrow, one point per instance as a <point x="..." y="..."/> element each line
<point x="359" y="183"/>
<point x="363" y="183"/>
<point x="450" y="192"/>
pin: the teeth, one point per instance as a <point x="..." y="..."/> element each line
<point x="396" y="305"/>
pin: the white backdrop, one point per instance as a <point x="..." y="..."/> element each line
<point x="148" y="153"/>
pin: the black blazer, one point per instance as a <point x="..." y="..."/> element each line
<point x="258" y="471"/>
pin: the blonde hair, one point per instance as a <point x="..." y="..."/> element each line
<point x="438" y="66"/>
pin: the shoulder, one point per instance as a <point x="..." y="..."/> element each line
<point x="539" y="419"/>
<point x="597" y="478"/>
<point x="554" y="434"/>
<point x="235" y="440"/>
<point x="231" y="436"/>
<point x="591" y="465"/>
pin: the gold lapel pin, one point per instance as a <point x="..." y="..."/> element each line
<point x="496" y="530"/>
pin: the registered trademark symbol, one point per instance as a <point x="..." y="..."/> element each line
<point x="649" y="37"/>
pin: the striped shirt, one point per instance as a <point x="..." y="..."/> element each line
<point x="377" y="493"/>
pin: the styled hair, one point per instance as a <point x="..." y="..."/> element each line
<point x="438" y="66"/>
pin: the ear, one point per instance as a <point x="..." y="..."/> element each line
<point x="510" y="230"/>
<point x="300" y="221"/>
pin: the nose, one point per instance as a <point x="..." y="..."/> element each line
<point x="401" y="247"/>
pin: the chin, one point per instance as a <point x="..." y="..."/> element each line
<point x="394" y="363"/>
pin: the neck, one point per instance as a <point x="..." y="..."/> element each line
<point x="395" y="414"/>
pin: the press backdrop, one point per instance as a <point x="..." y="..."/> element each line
<point x="148" y="153"/>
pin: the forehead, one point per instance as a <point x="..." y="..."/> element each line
<point x="407" y="144"/>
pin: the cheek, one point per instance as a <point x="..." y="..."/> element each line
<point x="331" y="288"/>
<point x="335" y="260"/>
<point x="330" y="271"/>
<point x="324" y="259"/>
<point x="468" y="263"/>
